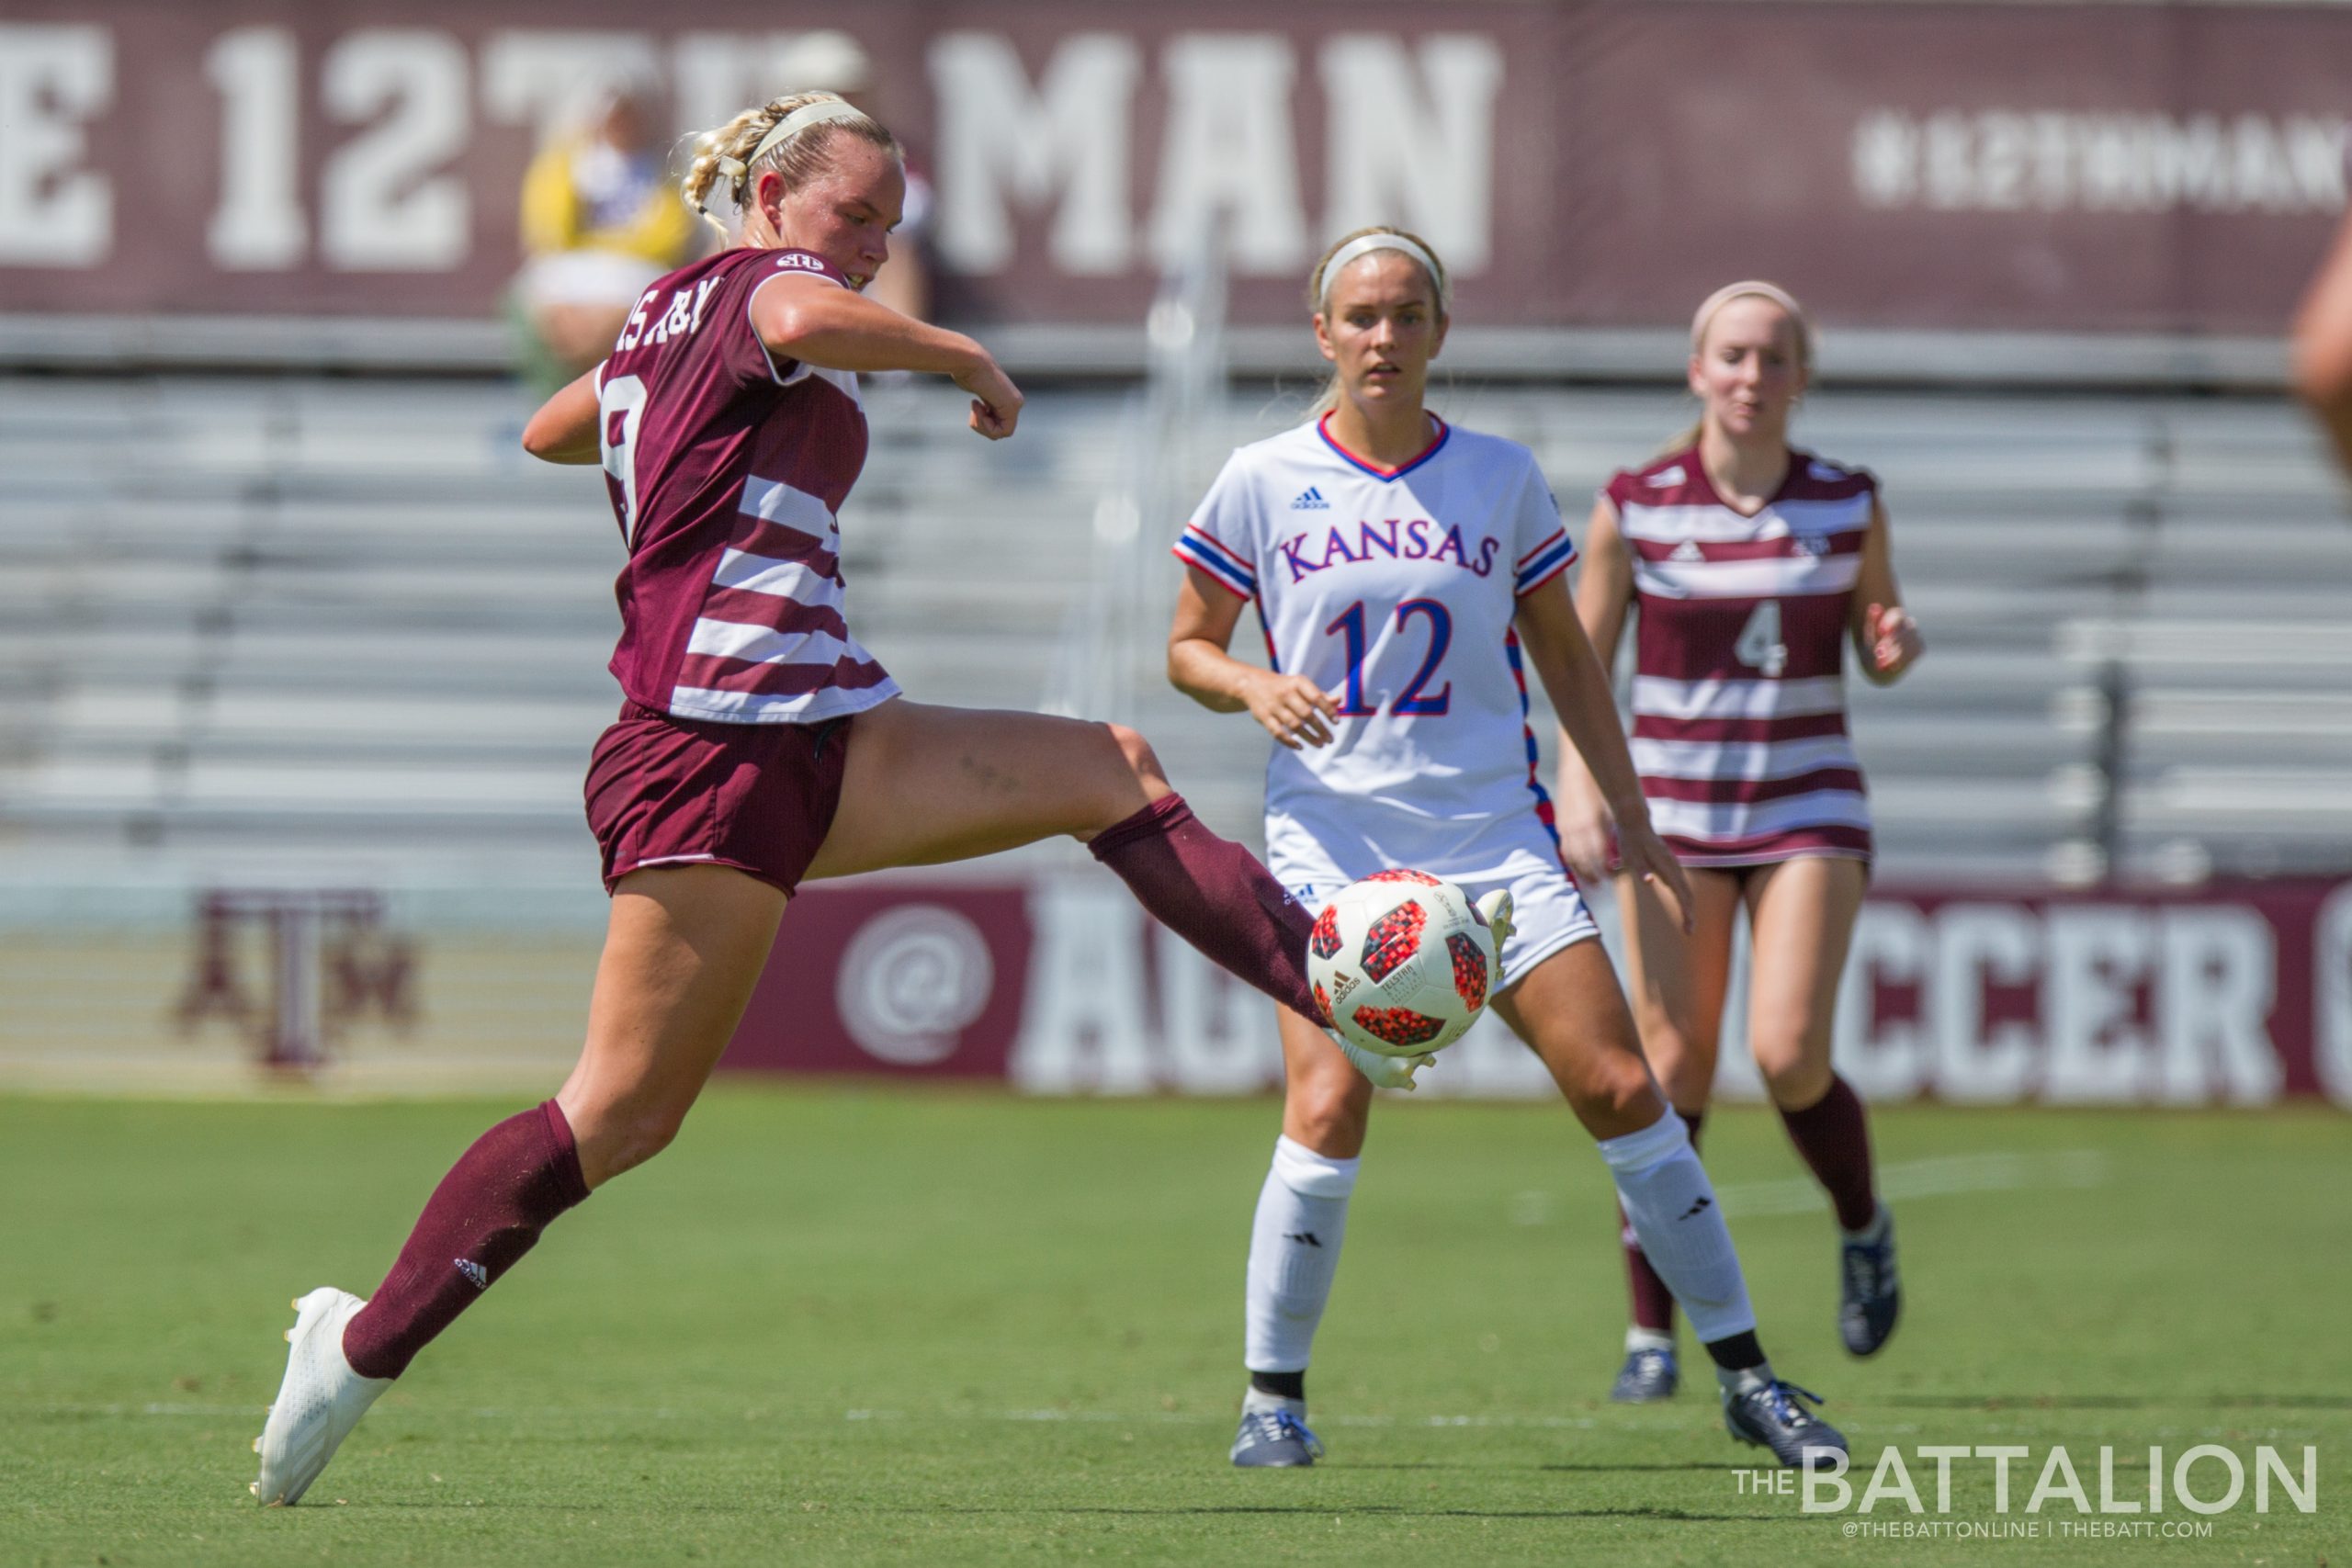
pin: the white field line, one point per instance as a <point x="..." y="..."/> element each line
<point x="2000" y="1171"/>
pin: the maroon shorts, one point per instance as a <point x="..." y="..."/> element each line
<point x="758" y="797"/>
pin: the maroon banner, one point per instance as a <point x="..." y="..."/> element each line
<point x="2089" y="167"/>
<point x="2226" y="994"/>
<point x="898" y="980"/>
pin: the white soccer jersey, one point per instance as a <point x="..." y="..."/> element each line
<point x="1395" y="591"/>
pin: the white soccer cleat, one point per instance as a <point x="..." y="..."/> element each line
<point x="320" y="1402"/>
<point x="1495" y="908"/>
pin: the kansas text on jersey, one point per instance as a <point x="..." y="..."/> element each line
<point x="1394" y="589"/>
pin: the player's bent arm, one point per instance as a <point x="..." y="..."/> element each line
<point x="1886" y="636"/>
<point x="820" y="322"/>
<point x="1200" y="663"/>
<point x="564" y="430"/>
<point x="1291" y="708"/>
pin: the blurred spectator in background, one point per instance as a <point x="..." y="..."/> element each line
<point x="601" y="219"/>
<point x="829" y="60"/>
<point x="2323" y="346"/>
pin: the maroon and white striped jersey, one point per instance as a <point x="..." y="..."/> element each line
<point x="726" y="468"/>
<point x="1740" y="702"/>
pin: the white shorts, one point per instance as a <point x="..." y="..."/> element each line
<point x="1547" y="912"/>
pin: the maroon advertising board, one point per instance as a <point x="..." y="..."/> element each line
<point x="2082" y="167"/>
<point x="2234" y="994"/>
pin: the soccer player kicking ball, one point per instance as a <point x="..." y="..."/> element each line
<point x="1403" y="568"/>
<point x="760" y="744"/>
<point x="1754" y="564"/>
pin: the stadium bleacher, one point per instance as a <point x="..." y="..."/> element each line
<point x="288" y="622"/>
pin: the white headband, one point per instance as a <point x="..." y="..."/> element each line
<point x="1731" y="291"/>
<point x="1364" y="244"/>
<point x="791" y="125"/>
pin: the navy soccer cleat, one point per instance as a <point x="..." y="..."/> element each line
<point x="1869" y="1296"/>
<point x="1274" y="1439"/>
<point x="1650" y="1375"/>
<point x="1766" y="1414"/>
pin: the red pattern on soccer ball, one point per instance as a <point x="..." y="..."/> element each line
<point x="1326" y="940"/>
<point x="1399" y="1026"/>
<point x="1419" y="878"/>
<point x="1322" y="1002"/>
<point x="1393" y="938"/>
<point x="1469" y="971"/>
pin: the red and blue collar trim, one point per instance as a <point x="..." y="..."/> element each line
<point x="1323" y="428"/>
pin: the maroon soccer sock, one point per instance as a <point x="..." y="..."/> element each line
<point x="1653" y="1303"/>
<point x="1834" y="1140"/>
<point x="486" y="1213"/>
<point x="1215" y="895"/>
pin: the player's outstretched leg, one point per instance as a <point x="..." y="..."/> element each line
<point x="1568" y="1008"/>
<point x="926" y="784"/>
<point x="1803" y="914"/>
<point x="685" y="948"/>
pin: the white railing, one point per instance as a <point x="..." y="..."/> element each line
<point x="1103" y="642"/>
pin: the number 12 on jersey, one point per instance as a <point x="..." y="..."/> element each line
<point x="1416" y="701"/>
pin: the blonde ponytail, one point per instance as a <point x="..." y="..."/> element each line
<point x="724" y="166"/>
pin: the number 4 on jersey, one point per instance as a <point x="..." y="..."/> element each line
<point x="1759" y="646"/>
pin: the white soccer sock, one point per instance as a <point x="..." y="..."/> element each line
<point x="1294" y="1253"/>
<point x="1680" y="1226"/>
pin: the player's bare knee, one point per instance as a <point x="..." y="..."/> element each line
<point x="1794" y="1077"/>
<point x="1671" y="1042"/>
<point x="1329" y="1114"/>
<point x="1142" y="762"/>
<point x="1617" y="1092"/>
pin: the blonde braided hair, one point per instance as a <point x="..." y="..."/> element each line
<point x="798" y="158"/>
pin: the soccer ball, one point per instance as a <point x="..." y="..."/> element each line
<point x="1402" y="962"/>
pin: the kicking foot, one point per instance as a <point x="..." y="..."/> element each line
<point x="1648" y="1375"/>
<point x="1764" y="1412"/>
<point x="1275" y="1436"/>
<point x="318" y="1404"/>
<point x="1869" y="1296"/>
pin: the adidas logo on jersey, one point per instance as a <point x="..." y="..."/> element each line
<point x="1310" y="500"/>
<point x="474" y="1271"/>
<point x="1688" y="550"/>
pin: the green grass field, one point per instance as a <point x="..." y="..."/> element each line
<point x="850" y="1327"/>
